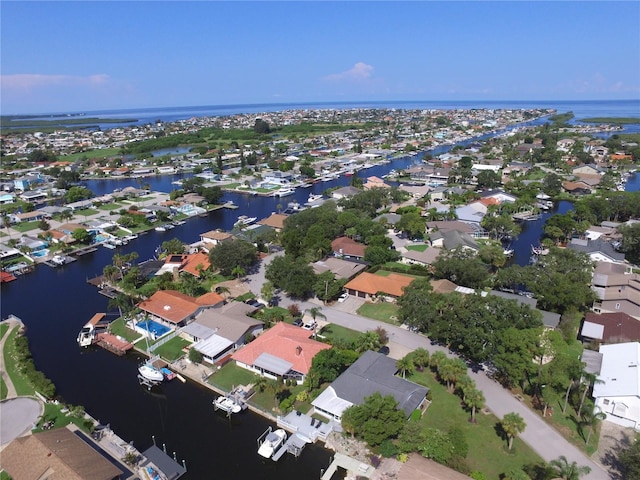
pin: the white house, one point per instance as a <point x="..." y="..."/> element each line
<point x="617" y="393"/>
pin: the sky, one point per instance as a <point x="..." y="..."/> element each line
<point x="89" y="55"/>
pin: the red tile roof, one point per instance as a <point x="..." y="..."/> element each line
<point x="282" y="341"/>
<point x="371" y="284"/>
<point x="347" y="246"/>
<point x="174" y="306"/>
<point x="192" y="261"/>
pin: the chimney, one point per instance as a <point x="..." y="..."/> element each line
<point x="298" y="350"/>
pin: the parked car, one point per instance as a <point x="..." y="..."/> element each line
<point x="343" y="296"/>
<point x="297" y="322"/>
<point x="254" y="303"/>
<point x="309" y="326"/>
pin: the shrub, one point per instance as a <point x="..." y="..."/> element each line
<point x="388" y="449"/>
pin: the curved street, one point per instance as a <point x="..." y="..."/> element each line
<point x="540" y="436"/>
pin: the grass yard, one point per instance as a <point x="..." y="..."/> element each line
<point x="3" y="389"/>
<point x="20" y="382"/>
<point x="417" y="248"/>
<point x="4" y="475"/>
<point x="53" y="412"/>
<point x="487" y="450"/>
<point x="86" y="212"/>
<point x="4" y="328"/>
<point x="26" y="226"/>
<point x="336" y="333"/>
<point x="118" y="327"/>
<point x="111" y="206"/>
<point x="231" y="376"/>
<point x="172" y="350"/>
<point x="386" y="273"/>
<point x="383" y="312"/>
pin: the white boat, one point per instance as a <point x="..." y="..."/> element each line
<point x="227" y="404"/>
<point x="283" y="192"/>
<point x="109" y="245"/>
<point x="313" y="198"/>
<point x="160" y="228"/>
<point x="86" y="335"/>
<point x="58" y="260"/>
<point x="245" y="220"/>
<point x="150" y="373"/>
<point x="272" y="441"/>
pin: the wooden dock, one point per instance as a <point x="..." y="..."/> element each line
<point x="349" y="464"/>
<point x="294" y="445"/>
<point x="113" y="343"/>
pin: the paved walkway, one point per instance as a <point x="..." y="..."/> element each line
<point x="12" y="322"/>
<point x="540" y="436"/>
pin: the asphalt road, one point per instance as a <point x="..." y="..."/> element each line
<point x="544" y="439"/>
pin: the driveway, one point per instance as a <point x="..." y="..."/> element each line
<point x="544" y="439"/>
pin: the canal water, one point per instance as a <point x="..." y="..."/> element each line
<point x="55" y="303"/>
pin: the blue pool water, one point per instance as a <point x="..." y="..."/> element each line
<point x="155" y="328"/>
<point x="40" y="253"/>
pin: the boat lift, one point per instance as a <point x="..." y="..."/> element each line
<point x="147" y="383"/>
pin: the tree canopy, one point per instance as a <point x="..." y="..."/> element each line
<point x="231" y="254"/>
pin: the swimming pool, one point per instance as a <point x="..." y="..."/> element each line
<point x="40" y="253"/>
<point x="156" y="329"/>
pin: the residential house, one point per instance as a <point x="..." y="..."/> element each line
<point x="341" y="269"/>
<point x="586" y="169"/>
<point x="598" y="250"/>
<point x="576" y="188"/>
<point x="218" y="332"/>
<point x="346" y="247"/>
<point x="214" y="237"/>
<point x="368" y="285"/>
<point x="423" y="258"/>
<point x="58" y="453"/>
<point x="275" y="221"/>
<point x="472" y="213"/>
<point x="617" y="391"/>
<point x="34" y="196"/>
<point x="500" y="195"/>
<point x="27" y="182"/>
<point x="345" y="192"/>
<point x="278" y="178"/>
<point x="617" y="289"/>
<point x="609" y="328"/>
<point x="177" y="309"/>
<point x="448" y="225"/>
<point x="390" y="219"/>
<point x="550" y="320"/>
<point x="282" y="352"/>
<point x="374" y="182"/>
<point x="26" y="217"/>
<point x="452" y="239"/>
<point x="372" y="373"/>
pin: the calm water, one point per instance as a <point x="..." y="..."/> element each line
<point x="55" y="303"/>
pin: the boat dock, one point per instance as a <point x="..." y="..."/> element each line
<point x="84" y="251"/>
<point x="349" y="464"/>
<point x="294" y="445"/>
<point x="112" y="343"/>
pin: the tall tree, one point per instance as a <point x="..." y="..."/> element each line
<point x="512" y="425"/>
<point x="405" y="365"/>
<point x="568" y="471"/>
<point x="474" y="400"/>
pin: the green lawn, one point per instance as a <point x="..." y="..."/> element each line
<point x="4" y="328"/>
<point x="386" y="273"/>
<point x="383" y="312"/>
<point x="53" y="412"/>
<point x="231" y="376"/>
<point x="111" y="206"/>
<point x="25" y="226"/>
<point x="85" y="212"/>
<point x="487" y="450"/>
<point x="119" y="328"/>
<point x="20" y="382"/>
<point x="3" y="389"/>
<point x="417" y="248"/>
<point x="4" y="475"/>
<point x="334" y="333"/>
<point x="172" y="350"/>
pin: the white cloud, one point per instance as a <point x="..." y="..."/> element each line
<point x="360" y="72"/>
<point x="29" y="81"/>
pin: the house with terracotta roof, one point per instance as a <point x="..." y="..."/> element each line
<point x="194" y="263"/>
<point x="374" y="182"/>
<point x="367" y="285"/>
<point x="275" y="221"/>
<point x="214" y="237"/>
<point x="176" y="308"/>
<point x="348" y="248"/>
<point x="282" y="352"/>
<point x="58" y="453"/>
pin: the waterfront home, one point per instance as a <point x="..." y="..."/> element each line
<point x="368" y="285"/>
<point x="177" y="309"/>
<point x="193" y="263"/>
<point x="341" y="269"/>
<point x="617" y="390"/>
<point x="345" y="192"/>
<point x="278" y="178"/>
<point x="372" y="373"/>
<point x="217" y="333"/>
<point x="500" y="195"/>
<point x="617" y="289"/>
<point x="608" y="328"/>
<point x="374" y="182"/>
<point x="576" y="188"/>
<point x="214" y="237"/>
<point x="283" y="352"/>
<point x="445" y="226"/>
<point x="27" y="182"/>
<point x="346" y="247"/>
<point x="598" y="250"/>
<point x="452" y="239"/>
<point x="58" y="453"/>
<point x="275" y="221"/>
<point x="472" y="213"/>
<point x="33" y="195"/>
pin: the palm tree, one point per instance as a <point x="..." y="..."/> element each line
<point x="568" y="471"/>
<point x="222" y="290"/>
<point x="451" y="371"/>
<point x="590" y="418"/>
<point x="512" y="424"/>
<point x="437" y="358"/>
<point x="315" y="312"/>
<point x="420" y="358"/>
<point x="367" y="341"/>
<point x="464" y="386"/>
<point x="238" y="272"/>
<point x="405" y="365"/>
<point x="474" y="400"/>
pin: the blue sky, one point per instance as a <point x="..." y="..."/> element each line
<point x="83" y="56"/>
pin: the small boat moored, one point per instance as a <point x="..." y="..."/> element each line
<point x="271" y="442"/>
<point x="150" y="373"/>
<point x="227" y="404"/>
